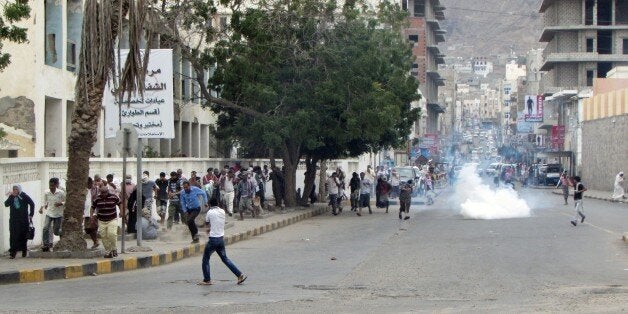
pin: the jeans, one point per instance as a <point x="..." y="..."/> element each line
<point x="56" y="229"/>
<point x="333" y="201"/>
<point x="579" y="210"/>
<point x="192" y="213"/>
<point x="218" y="245"/>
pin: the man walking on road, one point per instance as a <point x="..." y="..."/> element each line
<point x="405" y="199"/>
<point x="215" y="223"/>
<point x="365" y="193"/>
<point x="191" y="205"/>
<point x="565" y="184"/>
<point x="579" y="189"/>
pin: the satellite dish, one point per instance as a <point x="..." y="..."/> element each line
<point x="126" y="143"/>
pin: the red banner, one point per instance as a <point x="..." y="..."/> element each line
<point x="558" y="136"/>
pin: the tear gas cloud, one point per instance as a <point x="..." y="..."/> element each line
<point x="475" y="199"/>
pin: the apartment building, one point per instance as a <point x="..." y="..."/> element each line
<point x="585" y="40"/>
<point x="37" y="92"/>
<point x="425" y="32"/>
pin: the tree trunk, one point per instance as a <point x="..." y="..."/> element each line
<point x="291" y="157"/>
<point x="322" y="178"/>
<point x="310" y="177"/>
<point x="90" y="87"/>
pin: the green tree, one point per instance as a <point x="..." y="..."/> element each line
<point x="12" y="13"/>
<point x="327" y="84"/>
<point x="299" y="78"/>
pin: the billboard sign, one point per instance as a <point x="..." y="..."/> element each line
<point x="533" y="111"/>
<point x="153" y="114"/>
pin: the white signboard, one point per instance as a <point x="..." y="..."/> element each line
<point x="153" y="114"/>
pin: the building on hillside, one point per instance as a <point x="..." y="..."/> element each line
<point x="482" y="66"/>
<point x="425" y="33"/>
<point x="38" y="91"/>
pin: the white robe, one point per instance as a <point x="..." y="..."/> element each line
<point x="618" y="193"/>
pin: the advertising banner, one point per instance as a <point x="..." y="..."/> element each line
<point x="533" y="108"/>
<point x="153" y="114"/>
<point x="558" y="136"/>
<point x="524" y="127"/>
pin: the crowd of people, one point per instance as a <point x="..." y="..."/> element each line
<point x="384" y="184"/>
<point x="175" y="198"/>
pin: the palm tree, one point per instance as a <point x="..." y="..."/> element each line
<point x="102" y="21"/>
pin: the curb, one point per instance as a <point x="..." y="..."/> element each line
<point x="592" y="197"/>
<point x="134" y="263"/>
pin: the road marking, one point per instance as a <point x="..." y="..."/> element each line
<point x="596" y="227"/>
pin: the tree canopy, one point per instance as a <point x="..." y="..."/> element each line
<point x="12" y="12"/>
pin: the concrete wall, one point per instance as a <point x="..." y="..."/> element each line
<point x="605" y="151"/>
<point x="33" y="174"/>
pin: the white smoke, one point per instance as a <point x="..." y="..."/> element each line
<point x="477" y="200"/>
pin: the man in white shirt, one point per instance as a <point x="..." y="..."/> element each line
<point x="332" y="188"/>
<point x="54" y="204"/>
<point x="215" y="222"/>
<point x="365" y="193"/>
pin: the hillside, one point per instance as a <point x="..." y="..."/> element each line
<point x="490" y="27"/>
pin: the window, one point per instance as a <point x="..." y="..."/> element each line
<point x="590" y="75"/>
<point x="588" y="12"/>
<point x="415" y="65"/>
<point x="604" y="12"/>
<point x="621" y="12"/>
<point x="413" y="38"/>
<point x="419" y="8"/>
<point x="223" y="23"/>
<point x="404" y="5"/>
<point x="625" y="46"/>
<point x="604" y="42"/>
<point x="71" y="56"/>
<point x="589" y="44"/>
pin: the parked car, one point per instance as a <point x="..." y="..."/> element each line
<point x="550" y="174"/>
<point x="492" y="169"/>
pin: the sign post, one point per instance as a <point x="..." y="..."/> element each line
<point x="146" y="113"/>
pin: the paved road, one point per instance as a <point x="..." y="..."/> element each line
<point x="436" y="261"/>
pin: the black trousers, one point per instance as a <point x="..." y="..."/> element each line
<point x="192" y="213"/>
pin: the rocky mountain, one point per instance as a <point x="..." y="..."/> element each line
<point x="491" y="27"/>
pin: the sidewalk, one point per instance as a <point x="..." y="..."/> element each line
<point x="165" y="251"/>
<point x="594" y="194"/>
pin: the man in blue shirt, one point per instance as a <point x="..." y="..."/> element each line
<point x="190" y="204"/>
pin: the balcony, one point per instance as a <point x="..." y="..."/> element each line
<point x="559" y="57"/>
<point x="549" y="31"/>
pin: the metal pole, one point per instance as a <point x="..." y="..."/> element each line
<point x="125" y="149"/>
<point x="140" y="203"/>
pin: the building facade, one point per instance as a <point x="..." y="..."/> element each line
<point x="38" y="91"/>
<point x="425" y="33"/>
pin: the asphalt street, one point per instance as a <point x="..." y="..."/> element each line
<point x="436" y="261"/>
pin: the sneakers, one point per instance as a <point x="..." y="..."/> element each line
<point x="574" y="223"/>
<point x="114" y="253"/>
<point x="241" y="278"/>
<point x="230" y="214"/>
<point x="45" y="249"/>
<point x="358" y="214"/>
<point x="195" y="240"/>
<point x="109" y="255"/>
<point x="406" y="218"/>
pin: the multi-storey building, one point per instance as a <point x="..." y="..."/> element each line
<point x="38" y="91"/>
<point x="425" y="32"/>
<point x="585" y="39"/>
